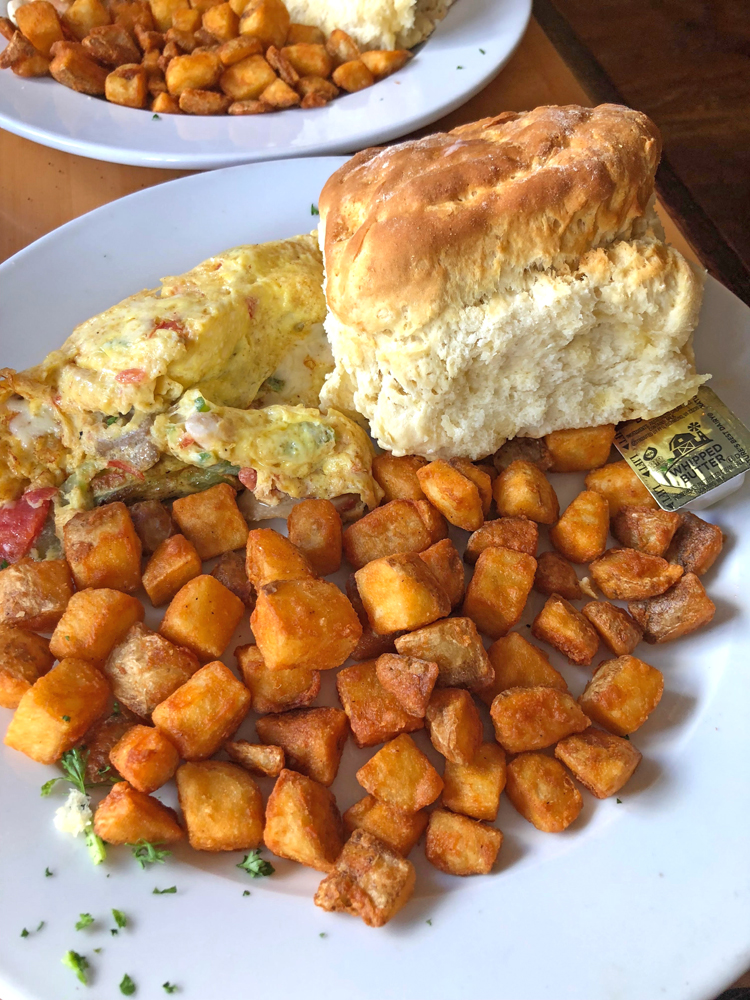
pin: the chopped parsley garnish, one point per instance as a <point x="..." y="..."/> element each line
<point x="626" y="737"/>
<point x="619" y="802"/>
<point x="155" y="118"/>
<point x="85" y="920"/>
<point x="115" y="708"/>
<point x="73" y="763"/>
<point x="314" y="210"/>
<point x="78" y="963"/>
<point x="246" y="892"/>
<point x="483" y="52"/>
<point x="201" y="405"/>
<point x="161" y="892"/>
<point x="275" y="384"/>
<point x="110" y="420"/>
<point x="48" y="873"/>
<point x="41" y="924"/>
<point x="459" y="67"/>
<point x="429" y="921"/>
<point x="169" y="987"/>
<point x="4" y="564"/>
<point x="322" y="934"/>
<point x="97" y="951"/>
<point x="127" y="986"/>
<point x="256" y="866"/>
<point x="204" y="456"/>
<point x="146" y="853"/>
<point x="120" y="919"/>
<point x="114" y="931"/>
<point x="96" y="847"/>
<point x="24" y="933"/>
<point x="66" y="718"/>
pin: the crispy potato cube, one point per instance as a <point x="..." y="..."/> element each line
<point x="280" y="95"/>
<point x="386" y="531"/>
<point x="196" y="71"/>
<point x="382" y="63"/>
<point x="312" y="740"/>
<point x="603" y="763"/>
<point x="144" y="669"/>
<point x="581" y="533"/>
<point x="204" y="712"/>
<point x="397" y="829"/>
<point x="399" y="592"/>
<point x="145" y="758"/>
<point x="370" y="880"/>
<point x="222" y="22"/>
<point x="370" y="645"/>
<point x="454" y="724"/>
<point x="203" y="616"/>
<point x="518" y="663"/>
<point x="341" y="47"/>
<point x="522" y="490"/>
<point x="543" y="793"/>
<point x="629" y="575"/>
<point x="497" y="593"/>
<point x="304" y="623"/>
<point x="580" y="449"/>
<point x="152" y="521"/>
<point x="481" y="479"/>
<point x="565" y="628"/>
<point x="518" y="533"/>
<point x="222" y="806"/>
<point x="375" y="713"/>
<point x="409" y="679"/>
<point x="532" y="450"/>
<point x="619" y="631"/>
<point x="237" y="49"/>
<point x="456" y="647"/>
<point x="93" y="623"/>
<point x="230" y="570"/>
<point x="8" y="29"/>
<point x="34" y="595"/>
<point x="351" y="77"/>
<point x="40" y="24"/>
<point x="308" y="59"/>
<point x="126" y="816"/>
<point x="683" y="609"/>
<point x="314" y="527"/>
<point x="645" y="529"/>
<point x="461" y="846"/>
<point x="303" y="822"/>
<point x="532" y="718"/>
<point x="21" y="57"/>
<point x="696" y="544"/>
<point x="622" y="694"/>
<point x="203" y="102"/>
<point x="271" y="557"/>
<point x="433" y="520"/>
<point x="72" y="67"/>
<point x="401" y="775"/>
<point x="444" y="562"/>
<point x="455" y="496"/>
<point x="474" y="789"/>
<point x="163" y="11"/>
<point x="150" y="63"/>
<point x="256" y="757"/>
<point x="24" y="657"/>
<point x="203" y="5"/>
<point x="83" y="15"/>
<point x="99" y="740"/>
<point x="276" y="690"/>
<point x="397" y="477"/>
<point x="112" y="44"/>
<point x="126" y="85"/>
<point x="132" y="14"/>
<point x="102" y="547"/>
<point x="190" y="19"/>
<point x="282" y="66"/>
<point x="211" y="520"/>
<point x="555" y="575"/>
<point x="266" y="20"/>
<point x="620" y="486"/>
<point x="165" y="104"/>
<point x="304" y="33"/>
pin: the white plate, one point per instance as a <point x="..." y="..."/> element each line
<point x="449" y="69"/>
<point x="636" y="901"/>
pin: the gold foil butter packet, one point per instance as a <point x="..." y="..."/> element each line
<point x="695" y="454"/>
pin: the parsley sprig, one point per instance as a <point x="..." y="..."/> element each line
<point x="85" y="920"/>
<point x="127" y="986"/>
<point x="146" y="853"/>
<point x="78" y="963"/>
<point x="73" y="763"/>
<point x="256" y="866"/>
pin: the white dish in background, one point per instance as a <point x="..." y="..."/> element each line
<point x="648" y="898"/>
<point x="445" y="72"/>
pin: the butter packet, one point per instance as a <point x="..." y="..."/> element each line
<point x="692" y="456"/>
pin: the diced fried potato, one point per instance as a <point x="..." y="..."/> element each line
<point x="222" y="806"/>
<point x="174" y="563"/>
<point x="386" y="531"/>
<point x="312" y="740"/>
<point x="21" y="57"/>
<point x="83" y="15"/>
<point x="203" y="5"/>
<point x="459" y="845"/>
<point x="397" y="477"/>
<point x="308" y="59"/>
<point x="303" y="822"/>
<point x="353" y="76"/>
<point x="680" y="611"/>
<point x="186" y="42"/>
<point x="72" y="67"/>
<point x="102" y="548"/>
<point x="341" y="47"/>
<point x="8" y="29"/>
<point x="375" y="714"/>
<point x="581" y="533"/>
<point x="281" y="65"/>
<point x="481" y="479"/>
<point x="163" y="11"/>
<point x="497" y="593"/>
<point x="256" y="757"/>
<point x="204" y="712"/>
<point x="248" y="108"/>
<point x="132" y="14"/>
<point x="622" y="694"/>
<point x="211" y="520"/>
<point x="126" y="816"/>
<point x="629" y="575"/>
<point x="397" y="829"/>
<point x="196" y="71"/>
<point x="454" y="495"/>
<point x="444" y="562"/>
<point x="518" y="533"/>
<point x="271" y="557"/>
<point x="165" y="104"/>
<point x="126" y="85"/>
<point x="456" y="647"/>
<point x="57" y="710"/>
<point x="112" y="44"/>
<point x="237" y="49"/>
<point x="532" y="718"/>
<point x="696" y="544"/>
<point x="203" y="102"/>
<point x="170" y="51"/>
<point x="454" y="724"/>
<point x="39" y="23"/>
<point x="152" y="521"/>
<point x="190" y="19"/>
<point x="230" y="570"/>
<point x="532" y="450"/>
<point x="399" y="592"/>
<point x="555" y="575"/>
<point x="314" y="527"/>
<point x="145" y="758"/>
<point x="543" y="793"/>
<point x="276" y="690"/>
<point x="222" y="22"/>
<point x="433" y="520"/>
<point x="620" y="486"/>
<point x="619" y="631"/>
<point x="93" y="623"/>
<point x="522" y="490"/>
<point x="474" y="789"/>
<point x="202" y="616"/>
<point x="646" y="529"/>
<point x="24" y="657"/>
<point x="401" y="775"/>
<point x="99" y="740"/>
<point x="370" y="644"/>
<point x="266" y="20"/>
<point x="304" y="623"/>
<point x="603" y="763"/>
<point x="565" y="628"/>
<point x="518" y="663"/>
<point x="150" y="63"/>
<point x="304" y="33"/>
<point x="580" y="449"/>
<point x="382" y="63"/>
<point x="409" y="679"/>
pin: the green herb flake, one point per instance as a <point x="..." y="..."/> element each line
<point x="314" y="210"/>
<point x="161" y="892"/>
<point x="155" y="118"/>
<point x="201" y="405"/>
<point x="256" y="866"/>
<point x="483" y="52"/>
<point x="85" y="920"/>
<point x="24" y="933"/>
<point x="48" y="873"/>
<point x="120" y="919"/>
<point x="78" y="964"/>
<point x="459" y="67"/>
<point x="429" y="921"/>
<point x="626" y="737"/>
<point x="114" y="931"/>
<point x="73" y="763"/>
<point x="146" y="853"/>
<point x="41" y="924"/>
<point x="322" y="934"/>
<point x="110" y="420"/>
<point x="246" y="892"/>
<point x="4" y="564"/>
<point x="66" y="718"/>
<point x="116" y="708"/>
<point x="275" y="384"/>
<point x="127" y="986"/>
<point x="169" y="987"/>
<point x="619" y="802"/>
<point x="95" y="845"/>
<point x="97" y="951"/>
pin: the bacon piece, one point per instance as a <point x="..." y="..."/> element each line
<point x="21" y="522"/>
<point x="248" y="477"/>
<point x="131" y="376"/>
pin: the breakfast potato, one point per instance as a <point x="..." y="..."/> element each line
<point x="603" y="763"/>
<point x="24" y="657"/>
<point x="399" y="830"/>
<point x="341" y="47"/>
<point x="39" y="23"/>
<point x="444" y="562"/>
<point x="459" y="845"/>
<point x="126" y="85"/>
<point x="456" y="647"/>
<point x="680" y="611"/>
<point x="375" y="714"/>
<point x="237" y="49"/>
<point x="308" y="59"/>
<point x="532" y="450"/>
<point x="370" y="645"/>
<point x="83" y="15"/>
<point x="400" y="775"/>
<point x="230" y="570"/>
<point x="276" y="690"/>
<point x="580" y="449"/>
<point x="581" y="533"/>
<point x="168" y="53"/>
<point x="203" y="5"/>
<point x="517" y="533"/>
<point x="555" y="575"/>
<point x="127" y="816"/>
<point x="382" y="63"/>
<point x="202" y="616"/>
<point x="99" y="740"/>
<point x="522" y="490"/>
<point x="103" y="549"/>
<point x="474" y="789"/>
<point x="497" y="593"/>
<point x="542" y="792"/>
<point x="312" y="740"/>
<point x="34" y="595"/>
<point x="222" y="806"/>
<point x="57" y="710"/>
<point x="93" y="623"/>
<point x="455" y="495"/>
<point x="314" y="527"/>
<point x="454" y="724"/>
<point x="7" y="28"/>
<point x="409" y="679"/>
<point x="696" y="544"/>
<point x="112" y="44"/>
<point x="353" y="76"/>
<point x="144" y="669"/>
<point x="433" y="520"/>
<point x="532" y="718"/>
<point x="73" y="67"/>
<point x="397" y="477"/>
<point x="481" y="479"/>
<point x="303" y="822"/>
<point x="565" y="628"/>
<point x="132" y="14"/>
<point x="21" y="57"/>
<point x="399" y="592"/>
<point x="620" y="486"/>
<point x="248" y="108"/>
<point x="304" y="623"/>
<point x="163" y="12"/>
<point x="271" y="557"/>
<point x="629" y="575"/>
<point x="196" y="71"/>
<point x="518" y="663"/>
<point x="619" y="631"/>
<point x="203" y="102"/>
<point x="145" y="758"/>
<point x="304" y="33"/>
<point x="257" y="758"/>
<point x="189" y="19"/>
<point x="204" y="712"/>
<point x="152" y="521"/>
<point x="281" y="65"/>
<point x="174" y="563"/>
<point x="622" y="694"/>
<point x="266" y="20"/>
<point x="222" y="22"/>
<point x="386" y="531"/>
<point x="211" y="520"/>
<point x="165" y="104"/>
<point x="644" y="528"/>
